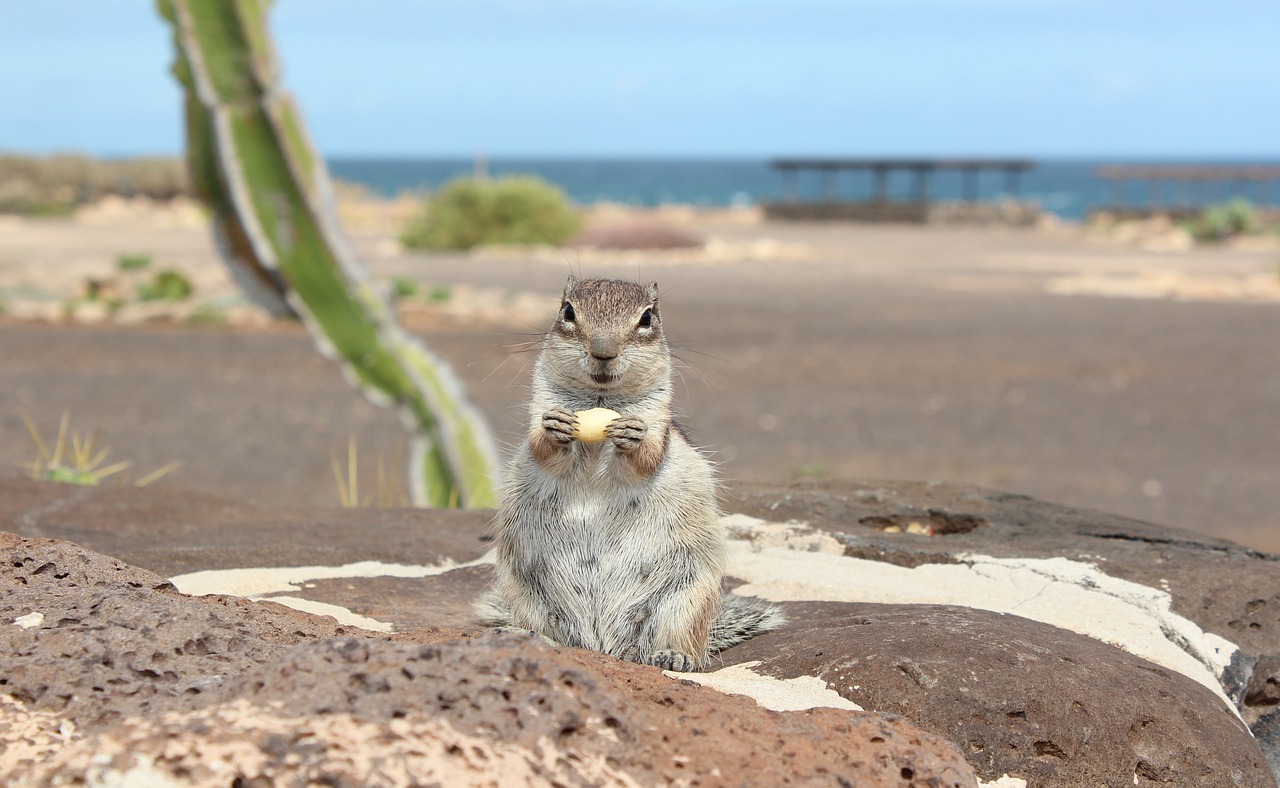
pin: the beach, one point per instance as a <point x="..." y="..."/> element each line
<point x="1131" y="372"/>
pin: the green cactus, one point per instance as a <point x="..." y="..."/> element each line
<point x="275" y="221"/>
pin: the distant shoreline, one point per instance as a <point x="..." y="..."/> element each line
<point x="1067" y="188"/>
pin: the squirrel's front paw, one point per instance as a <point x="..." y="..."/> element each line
<point x="560" y="424"/>
<point x="672" y="660"/>
<point x="626" y="432"/>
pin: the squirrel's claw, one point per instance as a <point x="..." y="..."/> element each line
<point x="673" y="661"/>
<point x="626" y="432"/>
<point x="560" y="425"/>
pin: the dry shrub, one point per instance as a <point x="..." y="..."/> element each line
<point x="638" y="234"/>
<point x="56" y="184"/>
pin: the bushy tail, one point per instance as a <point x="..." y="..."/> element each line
<point x="492" y="611"/>
<point x="742" y="618"/>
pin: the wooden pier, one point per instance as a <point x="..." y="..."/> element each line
<point x="881" y="207"/>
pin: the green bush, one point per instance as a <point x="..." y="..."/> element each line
<point x="167" y="285"/>
<point x="1221" y="221"/>
<point x="517" y="210"/>
<point x="133" y="262"/>
<point x="402" y="288"/>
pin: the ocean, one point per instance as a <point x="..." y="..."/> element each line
<point x="1067" y="188"/>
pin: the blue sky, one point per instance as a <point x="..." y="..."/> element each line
<point x="1086" y="78"/>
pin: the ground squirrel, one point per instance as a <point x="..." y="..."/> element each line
<point x="614" y="546"/>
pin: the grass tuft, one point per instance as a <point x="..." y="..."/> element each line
<point x="133" y="262"/>
<point x="76" y="458"/>
<point x="388" y="491"/>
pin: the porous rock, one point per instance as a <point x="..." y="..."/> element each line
<point x="113" y="640"/>
<point x="1225" y="588"/>
<point x="1222" y="587"/>
<point x="1017" y="696"/>
<point x="125" y="679"/>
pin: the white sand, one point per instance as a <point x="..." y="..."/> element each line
<point x="282" y="584"/>
<point x="1073" y="595"/>
<point x="798" y="694"/>
<point x="791" y="562"/>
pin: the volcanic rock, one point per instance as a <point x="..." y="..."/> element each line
<point x="1017" y="696"/>
<point x="111" y="675"/>
<point x="1046" y="643"/>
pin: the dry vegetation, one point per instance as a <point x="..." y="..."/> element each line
<point x="57" y="184"/>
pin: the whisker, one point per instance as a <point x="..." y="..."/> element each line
<point x="684" y="383"/>
<point x="519" y="373"/>
<point x="686" y="365"/>
<point x="523" y="347"/>
<point x="687" y="349"/>
<point x="577" y="250"/>
<point x="500" y="365"/>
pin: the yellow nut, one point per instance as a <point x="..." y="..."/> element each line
<point x="591" y="424"/>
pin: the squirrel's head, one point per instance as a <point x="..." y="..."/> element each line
<point x="608" y="336"/>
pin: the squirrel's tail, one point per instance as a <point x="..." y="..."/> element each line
<point x="492" y="611"/>
<point x="742" y="618"/>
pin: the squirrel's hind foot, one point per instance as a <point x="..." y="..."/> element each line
<point x="673" y="661"/>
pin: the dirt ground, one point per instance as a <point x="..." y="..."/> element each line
<point x="1004" y="358"/>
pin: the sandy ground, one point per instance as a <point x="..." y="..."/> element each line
<point x="1131" y="375"/>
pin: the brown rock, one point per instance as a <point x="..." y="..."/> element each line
<point x="1223" y="588"/>
<point x="126" y="679"/>
<point x="1017" y="696"/>
<point x="653" y="728"/>
<point x="1267" y="731"/>
<point x="240" y="744"/>
<point x="120" y="641"/>
<point x="1226" y="589"/>
<point x="410" y="602"/>
<point x="172" y="531"/>
<point x="1264" y="686"/>
<point x="1262" y="707"/>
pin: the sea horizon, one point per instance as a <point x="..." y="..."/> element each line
<point x="1065" y="186"/>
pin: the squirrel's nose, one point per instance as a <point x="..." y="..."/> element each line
<point x="603" y="350"/>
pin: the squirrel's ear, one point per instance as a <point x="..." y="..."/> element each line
<point x="652" y="291"/>
<point x="568" y="286"/>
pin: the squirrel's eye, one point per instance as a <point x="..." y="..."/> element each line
<point x="646" y="319"/>
<point x="569" y="314"/>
